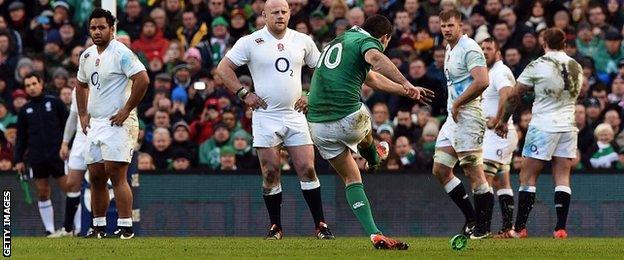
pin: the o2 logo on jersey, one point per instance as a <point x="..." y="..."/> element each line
<point x="95" y="80"/>
<point x="283" y="65"/>
<point x="499" y="153"/>
<point x="534" y="149"/>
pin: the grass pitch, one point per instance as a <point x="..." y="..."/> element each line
<point x="310" y="248"/>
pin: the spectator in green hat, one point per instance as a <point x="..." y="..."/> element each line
<point x="228" y="159"/>
<point x="220" y="38"/>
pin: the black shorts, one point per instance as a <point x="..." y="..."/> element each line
<point x="43" y="170"/>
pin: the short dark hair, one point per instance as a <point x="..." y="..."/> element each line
<point x="554" y="38"/>
<point x="103" y="13"/>
<point x="34" y="74"/>
<point x="448" y="14"/>
<point x="492" y="40"/>
<point x="378" y="26"/>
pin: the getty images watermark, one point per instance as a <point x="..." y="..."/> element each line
<point x="6" y="223"/>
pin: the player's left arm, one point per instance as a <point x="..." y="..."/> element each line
<point x="140" y="81"/>
<point x="512" y="101"/>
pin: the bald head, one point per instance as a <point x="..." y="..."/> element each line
<point x="276" y="14"/>
<point x="356" y="16"/>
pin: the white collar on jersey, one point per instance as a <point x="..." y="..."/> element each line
<point x="359" y="29"/>
<point x="268" y="33"/>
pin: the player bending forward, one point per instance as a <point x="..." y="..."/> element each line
<point x="339" y="121"/>
<point x="556" y="80"/>
<point x="497" y="151"/>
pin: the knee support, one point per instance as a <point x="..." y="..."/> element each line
<point x="473" y="159"/>
<point x="444" y="158"/>
<point x="491" y="168"/>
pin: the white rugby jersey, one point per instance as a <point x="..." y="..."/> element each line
<point x="556" y="79"/>
<point x="500" y="76"/>
<point x="458" y="62"/>
<point x="108" y="76"/>
<point x="74" y="108"/>
<point x="275" y="65"/>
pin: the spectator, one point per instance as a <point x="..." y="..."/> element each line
<point x="608" y="58"/>
<point x="615" y="16"/>
<point x="145" y="162"/>
<point x="69" y="38"/>
<point x="10" y="133"/>
<point x="597" y="18"/>
<point x="180" y="99"/>
<point x="406" y="127"/>
<point x="19" y="99"/>
<point x="159" y="16"/>
<point x="592" y="107"/>
<point x="620" y="164"/>
<point x="53" y="51"/>
<point x="8" y="58"/>
<point x="385" y="133"/>
<point x="613" y="117"/>
<point x="586" y="132"/>
<point x="60" y="78"/>
<point x="602" y="154"/>
<point x="209" y="151"/>
<point x="405" y="152"/>
<point x="182" y="141"/>
<point x="513" y="59"/>
<point x="192" y="31"/>
<point x="19" y="20"/>
<point x="371" y="7"/>
<point x="617" y="90"/>
<point x="182" y="75"/>
<point x="6" y="117"/>
<point x="161" y="148"/>
<point x="181" y="160"/>
<point x="173" y="11"/>
<point x="152" y="44"/>
<point x="216" y="9"/>
<point x="15" y="39"/>
<point x="202" y="128"/>
<point x="360" y="161"/>
<point x="227" y="159"/>
<point x="586" y="43"/>
<point x="536" y="21"/>
<point x="392" y="163"/>
<point x="65" y="95"/>
<point x="23" y="68"/>
<point x="246" y="157"/>
<point x="572" y="51"/>
<point x="436" y="69"/>
<point x="418" y="76"/>
<point x="220" y="38"/>
<point x="599" y="91"/>
<point x="240" y="27"/>
<point x="381" y="115"/>
<point x="131" y="19"/>
<point x="320" y="29"/>
<point x="431" y="7"/>
<point x="425" y="147"/>
<point x="355" y="16"/>
<point x="73" y="61"/>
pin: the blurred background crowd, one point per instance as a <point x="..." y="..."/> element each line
<point x="180" y="43"/>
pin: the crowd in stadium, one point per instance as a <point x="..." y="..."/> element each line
<point x="183" y="126"/>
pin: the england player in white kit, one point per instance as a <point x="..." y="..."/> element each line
<point x="275" y="56"/>
<point x="115" y="82"/>
<point x="74" y="158"/>
<point x="461" y="136"/>
<point x="556" y="80"/>
<point x="497" y="151"/>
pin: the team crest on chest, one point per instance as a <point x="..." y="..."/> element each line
<point x="280" y="47"/>
<point x="259" y="41"/>
<point x="97" y="62"/>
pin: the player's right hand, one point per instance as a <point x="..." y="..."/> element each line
<point x="501" y="129"/>
<point x="20" y="167"/>
<point x="491" y="122"/>
<point x="255" y="102"/>
<point x="64" y="152"/>
<point x="84" y="122"/>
